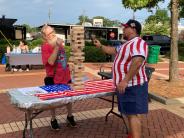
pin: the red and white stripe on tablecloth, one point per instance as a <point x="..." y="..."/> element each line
<point x="90" y="87"/>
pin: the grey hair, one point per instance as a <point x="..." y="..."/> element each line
<point x="43" y="29"/>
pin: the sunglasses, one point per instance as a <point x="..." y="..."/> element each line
<point x="50" y="35"/>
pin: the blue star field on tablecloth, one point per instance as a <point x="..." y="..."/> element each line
<point x="56" y="88"/>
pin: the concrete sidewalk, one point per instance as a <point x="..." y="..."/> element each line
<point x="161" y="122"/>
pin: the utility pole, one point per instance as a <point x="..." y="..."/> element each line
<point x="49" y="14"/>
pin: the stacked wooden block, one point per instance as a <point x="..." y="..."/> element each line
<point x="77" y="56"/>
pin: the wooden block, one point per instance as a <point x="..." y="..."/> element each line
<point x="78" y="64"/>
<point x="77" y="37"/>
<point x="78" y="69"/>
<point x="77" y="42"/>
<point x="71" y="66"/>
<point x="77" y="49"/>
<point x="71" y="59"/>
<point x="78" y="79"/>
<point x="77" y="27"/>
<point x="77" y="53"/>
<point x="79" y="58"/>
<point x="77" y="32"/>
<point x="77" y="45"/>
<point x="78" y="87"/>
<point x="78" y="83"/>
<point x="78" y="61"/>
<point x="79" y="74"/>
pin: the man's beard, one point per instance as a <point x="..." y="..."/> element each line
<point x="125" y="37"/>
<point x="52" y="41"/>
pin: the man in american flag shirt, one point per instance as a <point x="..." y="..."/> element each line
<point x="129" y="75"/>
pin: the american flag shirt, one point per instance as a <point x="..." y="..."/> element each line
<point x="123" y="60"/>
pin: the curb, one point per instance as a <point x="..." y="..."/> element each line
<point x="166" y="100"/>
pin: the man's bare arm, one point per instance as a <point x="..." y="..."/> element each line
<point x="53" y="56"/>
<point x="109" y="50"/>
<point x="134" y="67"/>
<point x="106" y="49"/>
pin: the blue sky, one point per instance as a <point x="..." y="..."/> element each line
<point x="35" y="12"/>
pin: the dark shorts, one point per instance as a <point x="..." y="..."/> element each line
<point x="134" y="100"/>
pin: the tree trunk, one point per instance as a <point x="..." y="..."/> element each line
<point x="173" y="66"/>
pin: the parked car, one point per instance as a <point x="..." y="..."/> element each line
<point x="161" y="40"/>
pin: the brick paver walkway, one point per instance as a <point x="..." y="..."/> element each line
<point x="163" y="121"/>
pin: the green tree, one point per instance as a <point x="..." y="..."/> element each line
<point x="161" y="16"/>
<point x="158" y="23"/>
<point x="152" y="27"/>
<point x="83" y="19"/>
<point x="139" y="4"/>
<point x="30" y="29"/>
<point x="107" y="22"/>
<point x="181" y="8"/>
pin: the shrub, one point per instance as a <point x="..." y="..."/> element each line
<point x="92" y="54"/>
<point x="34" y="43"/>
<point x="67" y="50"/>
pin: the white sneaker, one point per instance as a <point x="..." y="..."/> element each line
<point x="20" y="70"/>
<point x="27" y="70"/>
<point x="12" y="70"/>
<point x="15" y="69"/>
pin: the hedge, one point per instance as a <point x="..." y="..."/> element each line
<point x="92" y="54"/>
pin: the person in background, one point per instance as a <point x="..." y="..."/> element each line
<point x="57" y="69"/>
<point x="22" y="48"/>
<point x="129" y="75"/>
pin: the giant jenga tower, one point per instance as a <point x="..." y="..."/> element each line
<point x="77" y="56"/>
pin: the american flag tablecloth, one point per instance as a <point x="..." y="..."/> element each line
<point x="90" y="87"/>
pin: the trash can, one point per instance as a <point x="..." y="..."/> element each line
<point x="153" y="53"/>
<point x="3" y="61"/>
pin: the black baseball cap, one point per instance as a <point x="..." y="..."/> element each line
<point x="133" y="24"/>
